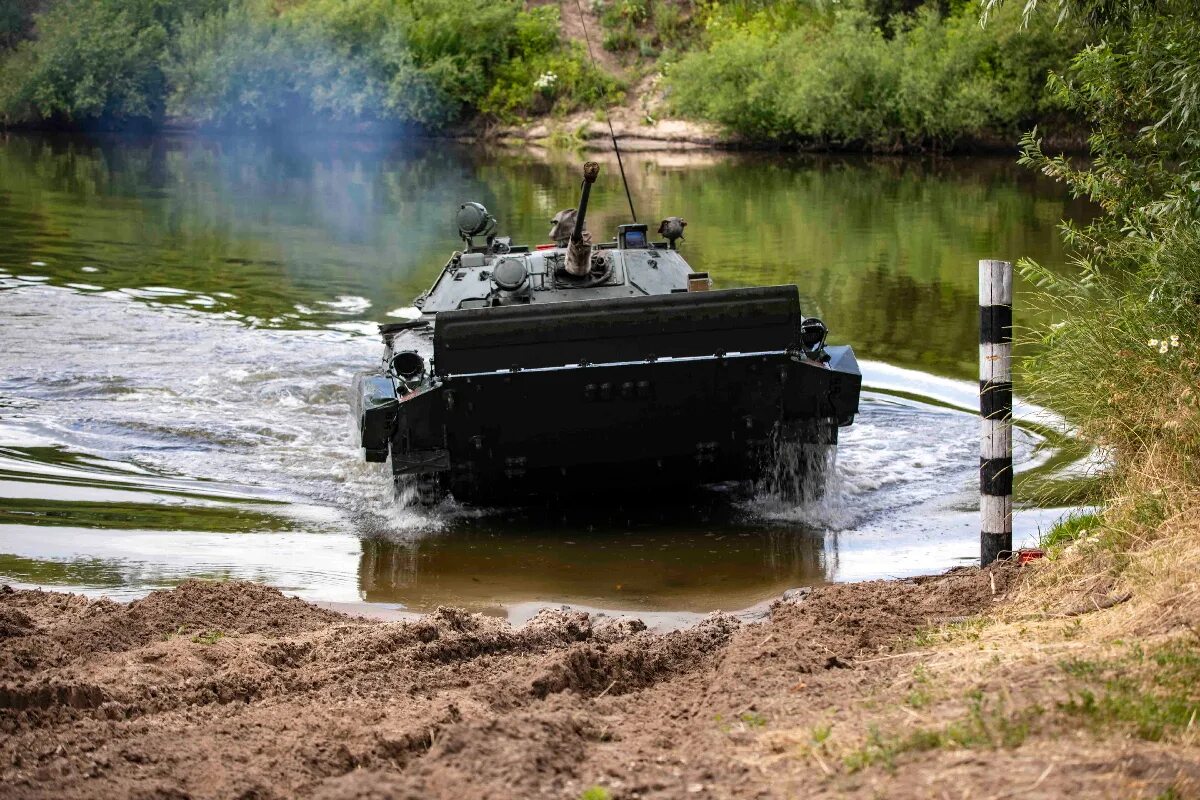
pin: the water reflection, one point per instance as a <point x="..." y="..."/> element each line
<point x="182" y="318"/>
<point x="883" y="249"/>
<point x="675" y="559"/>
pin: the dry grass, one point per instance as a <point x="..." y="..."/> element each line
<point x="1057" y="668"/>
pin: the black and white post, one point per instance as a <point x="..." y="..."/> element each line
<point x="995" y="409"/>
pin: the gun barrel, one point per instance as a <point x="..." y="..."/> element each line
<point x="590" y="170"/>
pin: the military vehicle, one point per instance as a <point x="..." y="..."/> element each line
<point x="598" y="370"/>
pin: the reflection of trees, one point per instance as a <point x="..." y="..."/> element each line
<point x="386" y="567"/>
<point x="931" y="326"/>
<point x="880" y="247"/>
<point x="280" y="222"/>
<point x="662" y="567"/>
<point x="116" y="204"/>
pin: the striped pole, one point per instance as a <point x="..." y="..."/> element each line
<point x="995" y="409"/>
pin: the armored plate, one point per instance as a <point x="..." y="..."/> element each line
<point x="633" y="377"/>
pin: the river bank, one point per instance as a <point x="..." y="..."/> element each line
<point x="634" y="133"/>
<point x="674" y="73"/>
<point x="563" y="134"/>
<point x="234" y="690"/>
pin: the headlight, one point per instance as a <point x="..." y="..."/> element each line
<point x="510" y="274"/>
<point x="812" y="334"/>
<point x="408" y="364"/>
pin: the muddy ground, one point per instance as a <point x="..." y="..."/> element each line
<point x="232" y="690"/>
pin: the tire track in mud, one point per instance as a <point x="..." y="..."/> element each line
<point x="233" y="690"/>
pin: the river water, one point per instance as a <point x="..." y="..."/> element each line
<point x="182" y="317"/>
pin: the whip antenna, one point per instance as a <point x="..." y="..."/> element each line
<point x="607" y="118"/>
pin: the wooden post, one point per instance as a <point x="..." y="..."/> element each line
<point x="995" y="409"/>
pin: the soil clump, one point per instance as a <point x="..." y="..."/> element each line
<point x="219" y="690"/>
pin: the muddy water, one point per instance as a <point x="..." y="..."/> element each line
<point x="181" y="318"/>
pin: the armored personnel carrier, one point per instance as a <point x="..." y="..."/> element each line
<point x="597" y="369"/>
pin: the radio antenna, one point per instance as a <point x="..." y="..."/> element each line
<point x="607" y="118"/>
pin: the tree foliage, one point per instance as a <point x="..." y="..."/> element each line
<point x="835" y="75"/>
<point x="1138" y="87"/>
<point x="16" y="21"/>
<point x="252" y="63"/>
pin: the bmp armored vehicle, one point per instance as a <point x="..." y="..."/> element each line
<point x="598" y="370"/>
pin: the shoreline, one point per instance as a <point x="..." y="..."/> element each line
<point x="150" y="696"/>
<point x="232" y="689"/>
<point x="577" y="133"/>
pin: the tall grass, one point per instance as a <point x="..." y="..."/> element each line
<point x="1122" y="361"/>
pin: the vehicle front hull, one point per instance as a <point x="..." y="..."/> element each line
<point x="513" y="436"/>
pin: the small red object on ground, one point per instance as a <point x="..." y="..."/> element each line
<point x="1027" y="554"/>
<point x="549" y="246"/>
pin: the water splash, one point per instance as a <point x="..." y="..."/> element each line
<point x="801" y="479"/>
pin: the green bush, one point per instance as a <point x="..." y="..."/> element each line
<point x="90" y="60"/>
<point x="16" y="21"/>
<point x="241" y="68"/>
<point x="94" y="60"/>
<point x="246" y="63"/>
<point x="421" y="61"/>
<point x="835" y="77"/>
<point x="646" y="26"/>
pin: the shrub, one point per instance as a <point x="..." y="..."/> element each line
<point x="240" y="68"/>
<point x="253" y="63"/>
<point x="16" y="21"/>
<point x="94" y="60"/>
<point x="1123" y="360"/>
<point x="836" y="77"/>
<point x="647" y="26"/>
<point x="90" y="60"/>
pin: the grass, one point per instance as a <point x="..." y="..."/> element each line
<point x="1155" y="692"/>
<point x="646" y="27"/>
<point x="967" y="630"/>
<point x="985" y="725"/>
<point x="595" y="793"/>
<point x="753" y="720"/>
<point x="1052" y="660"/>
<point x="749" y="720"/>
<point x="208" y="637"/>
<point x="920" y="696"/>
<point x="1149" y="686"/>
<point x="1073" y="527"/>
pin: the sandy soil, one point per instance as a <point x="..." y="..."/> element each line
<point x="233" y="690"/>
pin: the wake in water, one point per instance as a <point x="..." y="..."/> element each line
<point x="196" y="395"/>
<point x="901" y="465"/>
<point x="256" y="421"/>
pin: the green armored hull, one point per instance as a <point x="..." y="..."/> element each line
<point x="575" y="369"/>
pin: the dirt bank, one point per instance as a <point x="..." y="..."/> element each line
<point x="233" y="690"/>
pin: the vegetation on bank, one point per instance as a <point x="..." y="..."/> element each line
<point x="862" y="73"/>
<point x="1122" y="362"/>
<point x="1100" y="639"/>
<point x="1118" y="598"/>
<point x="255" y="63"/>
<point x="857" y="74"/>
